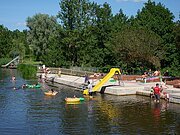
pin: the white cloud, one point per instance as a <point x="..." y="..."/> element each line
<point x="139" y="0"/>
<point x="21" y="24"/>
<point x="131" y="1"/>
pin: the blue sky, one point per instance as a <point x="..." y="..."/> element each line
<point x="13" y="13"/>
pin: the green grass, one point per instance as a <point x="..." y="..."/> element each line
<point x="31" y="62"/>
<point x="4" y="61"/>
<point x="28" y="71"/>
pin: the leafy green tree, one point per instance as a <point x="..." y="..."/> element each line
<point x="74" y="16"/>
<point x="41" y="28"/>
<point x="5" y="42"/>
<point x="119" y="21"/>
<point x="101" y="29"/>
<point x="176" y="33"/>
<point x="157" y="18"/>
<point x="175" y="66"/>
<point x="19" y="43"/>
<point x="134" y="45"/>
<point x="56" y="52"/>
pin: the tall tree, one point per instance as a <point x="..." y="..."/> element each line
<point x="5" y="42"/>
<point x="19" y="43"/>
<point x="55" y="52"/>
<point x="132" y="45"/>
<point x="175" y="67"/>
<point x="176" y="33"/>
<point x="119" y="21"/>
<point x="159" y="19"/>
<point x="41" y="28"/>
<point x="101" y="30"/>
<point x="74" y="16"/>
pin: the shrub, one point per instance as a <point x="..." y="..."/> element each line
<point x="28" y="71"/>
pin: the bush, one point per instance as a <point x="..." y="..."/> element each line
<point x="28" y="71"/>
<point x="4" y="61"/>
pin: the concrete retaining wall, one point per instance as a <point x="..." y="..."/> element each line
<point x="175" y="98"/>
<point x="129" y="87"/>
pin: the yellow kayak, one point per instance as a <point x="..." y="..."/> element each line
<point x="50" y="93"/>
<point x="72" y="99"/>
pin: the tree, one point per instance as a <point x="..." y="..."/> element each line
<point x="134" y="45"/>
<point x="157" y="18"/>
<point x="101" y="30"/>
<point x="41" y="28"/>
<point x="5" y="42"/>
<point x="119" y="21"/>
<point x="175" y="66"/>
<point x="74" y="16"/>
<point x="55" y="52"/>
<point x="176" y="33"/>
<point x="19" y="44"/>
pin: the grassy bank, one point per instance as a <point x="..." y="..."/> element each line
<point x="4" y="61"/>
<point x="28" y="71"/>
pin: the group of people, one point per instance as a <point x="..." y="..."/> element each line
<point x="150" y="73"/>
<point x="157" y="93"/>
<point x="44" y="69"/>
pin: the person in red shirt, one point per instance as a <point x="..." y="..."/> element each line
<point x="157" y="93"/>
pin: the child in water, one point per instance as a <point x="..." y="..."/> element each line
<point x="165" y="95"/>
<point x="24" y="86"/>
<point x="13" y="78"/>
<point x="152" y="92"/>
<point x="52" y="90"/>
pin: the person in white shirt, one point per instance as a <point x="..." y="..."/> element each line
<point x="90" y="89"/>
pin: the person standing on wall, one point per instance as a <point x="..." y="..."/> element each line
<point x="157" y="91"/>
<point x="86" y="78"/>
<point x="59" y="73"/>
<point x="90" y="89"/>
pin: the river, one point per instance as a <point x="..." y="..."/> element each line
<point x="30" y="112"/>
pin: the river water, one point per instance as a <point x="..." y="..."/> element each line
<point x="30" y="112"/>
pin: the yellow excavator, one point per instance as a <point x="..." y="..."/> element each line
<point x="104" y="80"/>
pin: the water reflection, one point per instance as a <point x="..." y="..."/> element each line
<point x="30" y="112"/>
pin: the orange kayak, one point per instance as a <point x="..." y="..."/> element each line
<point x="51" y="93"/>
